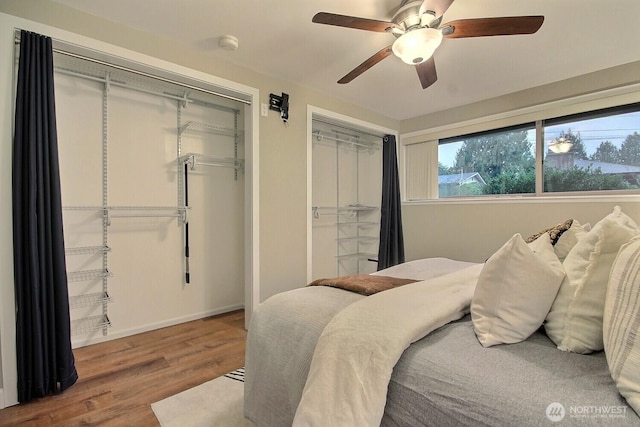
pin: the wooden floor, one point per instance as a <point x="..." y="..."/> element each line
<point x="120" y="379"/>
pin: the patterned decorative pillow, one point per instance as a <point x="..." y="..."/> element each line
<point x="574" y="322"/>
<point x="621" y="323"/>
<point x="554" y="232"/>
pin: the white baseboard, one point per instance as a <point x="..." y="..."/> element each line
<point x="3" y="402"/>
<point x="86" y="340"/>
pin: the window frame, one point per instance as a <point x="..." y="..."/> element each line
<point x="600" y="104"/>
<point x="585" y="115"/>
<point x="517" y="127"/>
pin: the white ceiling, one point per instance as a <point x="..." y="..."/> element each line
<point x="277" y="38"/>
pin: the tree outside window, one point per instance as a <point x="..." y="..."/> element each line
<point x="596" y="152"/>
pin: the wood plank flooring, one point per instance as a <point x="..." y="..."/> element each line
<point x="119" y="379"/>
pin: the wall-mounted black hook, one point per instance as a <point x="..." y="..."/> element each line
<point x="280" y="104"/>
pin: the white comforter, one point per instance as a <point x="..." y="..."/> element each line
<point x="354" y="358"/>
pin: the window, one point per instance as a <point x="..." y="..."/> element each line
<point x="497" y="162"/>
<point x="593" y="151"/>
<point x="589" y="152"/>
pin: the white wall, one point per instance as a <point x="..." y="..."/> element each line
<point x="473" y="231"/>
<point x="7" y="315"/>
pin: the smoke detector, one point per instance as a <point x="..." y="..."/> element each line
<point x="228" y="42"/>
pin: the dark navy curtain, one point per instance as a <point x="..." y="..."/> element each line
<point x="45" y="360"/>
<point x="391" y="250"/>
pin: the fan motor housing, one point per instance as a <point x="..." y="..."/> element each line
<point x="408" y="16"/>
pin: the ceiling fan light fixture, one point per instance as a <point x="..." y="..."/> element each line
<point x="416" y="46"/>
<point x="560" y="145"/>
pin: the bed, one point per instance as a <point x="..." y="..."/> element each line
<point x="446" y="372"/>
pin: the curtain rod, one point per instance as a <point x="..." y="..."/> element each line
<point x="114" y="83"/>
<point x="151" y="92"/>
<point x="144" y="74"/>
<point x="155" y="77"/>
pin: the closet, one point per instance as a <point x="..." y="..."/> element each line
<point x="152" y="178"/>
<point x="346" y="195"/>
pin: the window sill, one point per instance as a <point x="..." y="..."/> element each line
<point x="508" y="199"/>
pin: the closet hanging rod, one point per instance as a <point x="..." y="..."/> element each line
<point x="124" y="208"/>
<point x="141" y="73"/>
<point x="235" y="165"/>
<point x="348" y="208"/>
<point x="181" y="214"/>
<point x="363" y="132"/>
<point x="147" y="215"/>
<point x="351" y="210"/>
<point x="320" y="137"/>
<point x="194" y="160"/>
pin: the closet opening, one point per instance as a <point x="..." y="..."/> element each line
<point x="157" y="194"/>
<point x="345" y="192"/>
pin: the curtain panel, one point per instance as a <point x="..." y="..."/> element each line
<point x="391" y="250"/>
<point x="45" y="359"/>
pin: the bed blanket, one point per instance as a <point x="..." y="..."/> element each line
<point x="364" y="284"/>
<point x="357" y="350"/>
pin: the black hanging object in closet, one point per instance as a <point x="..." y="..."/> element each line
<point x="186" y="225"/>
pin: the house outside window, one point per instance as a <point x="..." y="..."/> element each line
<point x="596" y="152"/>
<point x="494" y="162"/>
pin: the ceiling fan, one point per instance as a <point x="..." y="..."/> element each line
<point x="418" y="31"/>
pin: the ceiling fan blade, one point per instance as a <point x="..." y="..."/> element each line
<point x="427" y="72"/>
<point x="437" y="6"/>
<point x="373" y="60"/>
<point x="353" y="22"/>
<point x="482" y="27"/>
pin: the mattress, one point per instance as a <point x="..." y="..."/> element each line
<point x="444" y="379"/>
<point x="449" y="379"/>
<point x="280" y="342"/>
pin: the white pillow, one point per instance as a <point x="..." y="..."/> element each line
<point x="569" y="238"/>
<point x="515" y="291"/>
<point x="575" y="320"/>
<point x="621" y="323"/>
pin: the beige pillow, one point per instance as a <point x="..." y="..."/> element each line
<point x="515" y="291"/>
<point x="575" y="320"/>
<point x="622" y="323"/>
<point x="569" y="238"/>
